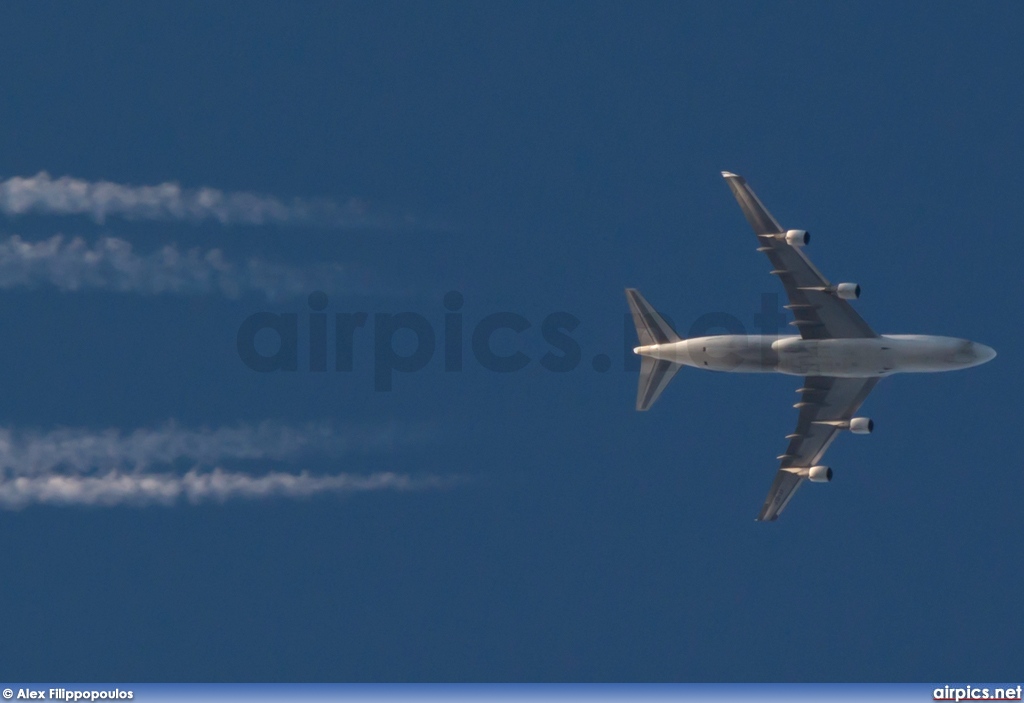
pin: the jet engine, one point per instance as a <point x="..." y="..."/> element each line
<point x="848" y="291"/>
<point x="820" y="474"/>
<point x="798" y="237"/>
<point x="861" y="425"/>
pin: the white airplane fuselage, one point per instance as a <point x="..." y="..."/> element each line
<point x="848" y="358"/>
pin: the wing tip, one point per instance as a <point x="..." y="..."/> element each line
<point x="729" y="174"/>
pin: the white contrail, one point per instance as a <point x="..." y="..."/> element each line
<point x="111" y="264"/>
<point x="28" y="453"/>
<point x="169" y="201"/>
<point x="119" y="488"/>
<point x="81" y="467"/>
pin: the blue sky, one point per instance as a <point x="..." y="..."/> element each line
<point x="535" y="158"/>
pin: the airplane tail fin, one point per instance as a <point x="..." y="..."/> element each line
<point x="654" y="377"/>
<point x="651" y="328"/>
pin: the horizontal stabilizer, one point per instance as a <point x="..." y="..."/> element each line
<point x="654" y="377"/>
<point x="651" y="327"/>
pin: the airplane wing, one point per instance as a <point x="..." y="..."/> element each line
<point x="818" y="312"/>
<point x="825" y="403"/>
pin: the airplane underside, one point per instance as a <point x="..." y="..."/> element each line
<point x="841" y="358"/>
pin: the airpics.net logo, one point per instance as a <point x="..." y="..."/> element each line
<point x="407" y="342"/>
<point x="977" y="693"/>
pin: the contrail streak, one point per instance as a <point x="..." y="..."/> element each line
<point x="111" y="264"/>
<point x="119" y="488"/>
<point x="27" y="453"/>
<point x="169" y="201"/>
<point x="80" y="467"/>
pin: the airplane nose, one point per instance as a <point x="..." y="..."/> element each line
<point x="983" y="353"/>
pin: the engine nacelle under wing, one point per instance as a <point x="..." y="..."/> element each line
<point x="820" y="474"/>
<point x="861" y="425"/>
<point x="798" y="237"/>
<point x="848" y="291"/>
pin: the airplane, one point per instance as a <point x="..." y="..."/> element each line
<point x="841" y="357"/>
